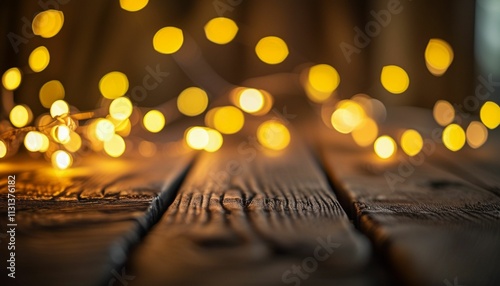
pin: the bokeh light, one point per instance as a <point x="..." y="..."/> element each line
<point x="74" y="143"/>
<point x="48" y="23"/>
<point x="453" y="137"/>
<point x="115" y="147"/>
<point x="197" y="137"/>
<point x="215" y="140"/>
<point x="113" y="84"/>
<point x="120" y="108"/>
<point x="394" y="79"/>
<point x="50" y="92"/>
<point x="61" y="134"/>
<point x="271" y="50"/>
<point x="221" y="30"/>
<point x="58" y="108"/>
<point x="251" y="100"/>
<point x="365" y="133"/>
<point x="322" y="81"/>
<point x="11" y="79"/>
<point x="3" y="149"/>
<point x="438" y="56"/>
<point x="104" y="130"/>
<point x="20" y="115"/>
<point x="273" y="135"/>
<point x="61" y="159"/>
<point x="168" y="40"/>
<point x="133" y="5"/>
<point x="476" y="134"/>
<point x="443" y="112"/>
<point x="154" y="121"/>
<point x="348" y="115"/>
<point x="490" y="114"/>
<point x="192" y="101"/>
<point x="39" y="59"/>
<point x="411" y="142"/>
<point x="147" y="149"/>
<point x="384" y="146"/>
<point x="228" y="119"/>
<point x="33" y="141"/>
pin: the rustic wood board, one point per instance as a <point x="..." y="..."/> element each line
<point x="244" y="216"/>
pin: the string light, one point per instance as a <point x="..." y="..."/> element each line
<point x="221" y="30"/>
<point x="411" y="142"/>
<point x="120" y="108"/>
<point x="215" y="140"/>
<point x="322" y="81"/>
<point x="113" y="84"/>
<point x="192" y="101"/>
<point x="61" y="134"/>
<point x="39" y="59"/>
<point x="453" y="137"/>
<point x="197" y="137"/>
<point x="271" y="50"/>
<point x="33" y="141"/>
<point x="11" y="79"/>
<point x="168" y="40"/>
<point x="58" y="108"/>
<point x="490" y="114"/>
<point x="438" y="56"/>
<point x="384" y="146"/>
<point x="154" y="121"/>
<point x="61" y="159"/>
<point x="115" y="147"/>
<point x="273" y="135"/>
<point x="104" y="130"/>
<point x="20" y="116"/>
<point x="394" y="79"/>
<point x="226" y="119"/>
<point x="50" y="92"/>
<point x="48" y="23"/>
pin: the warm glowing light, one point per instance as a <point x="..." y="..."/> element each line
<point x="438" y="56"/>
<point x="197" y="137"/>
<point x="20" y="116"/>
<point x="122" y="128"/>
<point x="221" y="30"/>
<point x="33" y="141"/>
<point x="133" y="5"/>
<point x="251" y="100"/>
<point x="115" y="147"/>
<point x="50" y="92"/>
<point x="227" y="119"/>
<point x="61" y="160"/>
<point x="58" y="108"/>
<point x="411" y="142"/>
<point x="271" y="50"/>
<point x="348" y="115"/>
<point x="168" y="40"/>
<point x="490" y="114"/>
<point x="147" y="149"/>
<point x="61" y="133"/>
<point x="39" y="59"/>
<point x="3" y="149"/>
<point x="273" y="135"/>
<point x="384" y="147"/>
<point x="48" y="23"/>
<point x="453" y="137"/>
<point x="215" y="140"/>
<point x="154" y="121"/>
<point x="365" y="133"/>
<point x="120" y="108"/>
<point x="74" y="143"/>
<point x="476" y="134"/>
<point x="443" y="112"/>
<point x="113" y="85"/>
<point x="322" y="81"/>
<point x="45" y="143"/>
<point x="394" y="79"/>
<point x="104" y="130"/>
<point x="11" y="78"/>
<point x="192" y="101"/>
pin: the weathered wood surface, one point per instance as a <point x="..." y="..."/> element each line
<point x="244" y="217"/>
<point x="433" y="224"/>
<point x="75" y="227"/>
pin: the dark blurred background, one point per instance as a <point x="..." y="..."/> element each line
<point x="99" y="37"/>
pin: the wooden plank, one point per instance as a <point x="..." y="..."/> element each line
<point x="432" y="224"/>
<point x="245" y="216"/>
<point x="75" y="227"/>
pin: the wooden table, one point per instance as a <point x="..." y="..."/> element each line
<point x="319" y="213"/>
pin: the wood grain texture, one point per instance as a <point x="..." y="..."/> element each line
<point x="245" y="217"/>
<point x="76" y="226"/>
<point x="432" y="223"/>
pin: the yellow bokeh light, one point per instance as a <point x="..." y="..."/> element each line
<point x="215" y="140"/>
<point x="384" y="146"/>
<point x="348" y="115"/>
<point x="438" y="56"/>
<point x="50" y="92"/>
<point x="115" y="147"/>
<point x="454" y="137"/>
<point x="33" y="141"/>
<point x="168" y="40"/>
<point x="120" y="108"/>
<point x="227" y="119"/>
<point x="133" y="5"/>
<point x="3" y="149"/>
<point x="74" y="143"/>
<point x="104" y="130"/>
<point x="113" y="84"/>
<point x="271" y="50"/>
<point x="61" y="160"/>
<point x="251" y="100"/>
<point x="58" y="108"/>
<point x="322" y="81"/>
<point x="61" y="134"/>
<point x="411" y="142"/>
<point x="48" y="23"/>
<point x="221" y="30"/>
<point x="20" y="116"/>
<point x="365" y="133"/>
<point x="11" y="78"/>
<point x="154" y="121"/>
<point x="394" y="79"/>
<point x="443" y="112"/>
<point x="490" y="114"/>
<point x="147" y="149"/>
<point x="197" y="137"/>
<point x="39" y="59"/>
<point x="273" y="135"/>
<point x="122" y="128"/>
<point x="476" y="134"/>
<point x="192" y="101"/>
